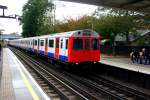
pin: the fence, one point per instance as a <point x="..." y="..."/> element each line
<point x="121" y="50"/>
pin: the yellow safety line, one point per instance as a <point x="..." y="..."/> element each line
<point x="27" y="83"/>
<point x="34" y="95"/>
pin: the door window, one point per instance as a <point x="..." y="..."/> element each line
<point x="57" y="42"/>
<point x="35" y="42"/>
<point x="66" y="43"/>
<point x="61" y="44"/>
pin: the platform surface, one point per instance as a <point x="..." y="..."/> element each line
<point x="16" y="82"/>
<point x="125" y="63"/>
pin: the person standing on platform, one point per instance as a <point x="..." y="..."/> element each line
<point x="140" y="57"/>
<point x="145" y="56"/>
<point x="132" y="57"/>
<point x="148" y="58"/>
<point x="137" y="56"/>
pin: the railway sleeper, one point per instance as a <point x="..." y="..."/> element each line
<point x="44" y="84"/>
<point x="58" y="86"/>
<point x="53" y="95"/>
<point x="68" y="93"/>
<point x="40" y="82"/>
<point x="46" y="87"/>
<point x="50" y="91"/>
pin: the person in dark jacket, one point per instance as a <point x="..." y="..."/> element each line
<point x="145" y="56"/>
<point x="148" y="58"/>
<point x="136" y="54"/>
<point x="140" y="57"/>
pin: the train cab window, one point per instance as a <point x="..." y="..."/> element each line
<point x="35" y="42"/>
<point x="87" y="44"/>
<point x="67" y="44"/>
<point x="51" y="43"/>
<point x="95" y="44"/>
<point x="77" y="44"/>
<point x="42" y="43"/>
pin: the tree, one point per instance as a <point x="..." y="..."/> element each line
<point x="35" y="16"/>
<point x="83" y="22"/>
<point x="116" y="21"/>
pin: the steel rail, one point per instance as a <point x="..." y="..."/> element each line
<point x="80" y="95"/>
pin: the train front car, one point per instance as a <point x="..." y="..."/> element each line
<point x="84" y="47"/>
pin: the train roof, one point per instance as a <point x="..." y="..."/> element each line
<point x="85" y="32"/>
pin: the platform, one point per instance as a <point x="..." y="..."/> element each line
<point x="16" y="81"/>
<point x="125" y="63"/>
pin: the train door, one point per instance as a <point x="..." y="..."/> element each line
<point x="42" y="46"/>
<point x="66" y="49"/>
<point x="57" y="49"/>
<point x="51" y="47"/>
<point x="38" y="45"/>
<point x="46" y="46"/>
<point x="33" y="45"/>
<point x="61" y="50"/>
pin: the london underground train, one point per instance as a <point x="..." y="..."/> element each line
<point x="74" y="47"/>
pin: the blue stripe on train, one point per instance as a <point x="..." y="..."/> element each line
<point x="51" y="54"/>
<point x="29" y="49"/>
<point x="63" y="58"/>
<point x="41" y="52"/>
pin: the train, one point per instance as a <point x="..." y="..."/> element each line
<point x="73" y="47"/>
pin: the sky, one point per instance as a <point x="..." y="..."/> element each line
<point x="64" y="10"/>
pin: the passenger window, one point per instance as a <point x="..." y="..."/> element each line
<point x="42" y="43"/>
<point x="87" y="45"/>
<point x="67" y="44"/>
<point x="77" y="44"/>
<point x="95" y="44"/>
<point x="51" y="43"/>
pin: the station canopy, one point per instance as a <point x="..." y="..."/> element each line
<point x="135" y="5"/>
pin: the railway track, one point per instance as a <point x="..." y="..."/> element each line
<point x="106" y="89"/>
<point x="119" y="88"/>
<point x="50" y="83"/>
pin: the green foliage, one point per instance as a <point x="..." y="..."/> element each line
<point x="144" y="41"/>
<point x="73" y="24"/>
<point x="108" y="25"/>
<point x="115" y="22"/>
<point x="34" y="17"/>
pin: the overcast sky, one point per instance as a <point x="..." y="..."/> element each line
<point x="63" y="10"/>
